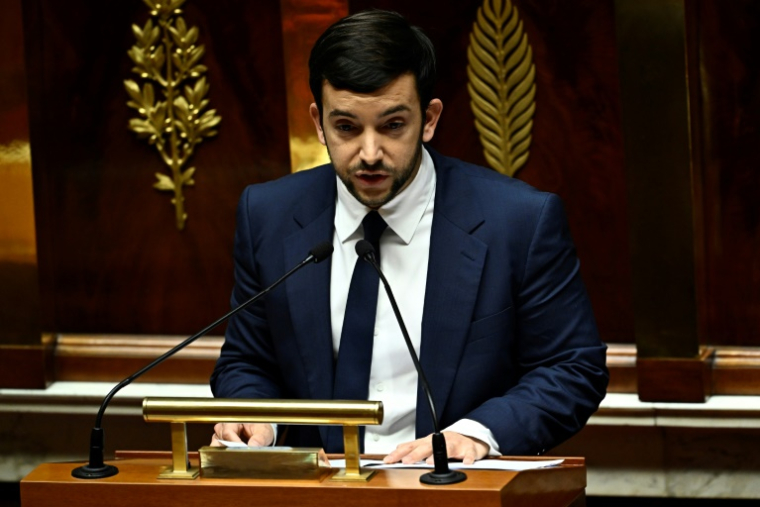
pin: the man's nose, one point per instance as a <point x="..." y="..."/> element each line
<point x="371" y="149"/>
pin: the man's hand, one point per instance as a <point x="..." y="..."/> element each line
<point x="254" y="434"/>
<point x="458" y="446"/>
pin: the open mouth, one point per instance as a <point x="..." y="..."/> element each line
<point x="372" y="178"/>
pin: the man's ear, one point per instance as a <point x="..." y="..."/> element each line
<point x="316" y="118"/>
<point x="432" y="114"/>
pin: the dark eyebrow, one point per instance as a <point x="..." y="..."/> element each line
<point x="339" y="112"/>
<point x="393" y="110"/>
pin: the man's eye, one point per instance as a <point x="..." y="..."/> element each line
<point x="343" y="127"/>
<point x="394" y="125"/>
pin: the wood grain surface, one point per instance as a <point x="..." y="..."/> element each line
<point x="136" y="484"/>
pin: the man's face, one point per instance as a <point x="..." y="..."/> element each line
<point x="375" y="139"/>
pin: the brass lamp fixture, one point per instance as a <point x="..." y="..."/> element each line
<point x="179" y="411"/>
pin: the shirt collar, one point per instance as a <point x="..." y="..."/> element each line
<point x="402" y="214"/>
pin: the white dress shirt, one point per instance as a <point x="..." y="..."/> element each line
<point x="404" y="253"/>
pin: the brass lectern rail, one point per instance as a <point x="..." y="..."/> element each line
<point x="179" y="411"/>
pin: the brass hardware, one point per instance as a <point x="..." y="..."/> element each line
<point x="180" y="468"/>
<point x="352" y="471"/>
<point x="354" y="413"/>
<point x="264" y="463"/>
<point x="501" y="85"/>
<point x="166" y="54"/>
<point x="349" y="414"/>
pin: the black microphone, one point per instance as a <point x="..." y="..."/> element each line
<point x="441" y="474"/>
<point x="96" y="468"/>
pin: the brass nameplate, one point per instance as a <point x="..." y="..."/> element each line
<point x="263" y="463"/>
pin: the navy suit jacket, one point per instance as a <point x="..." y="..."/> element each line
<point x="508" y="335"/>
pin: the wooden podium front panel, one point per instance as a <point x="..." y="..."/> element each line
<point x="51" y="484"/>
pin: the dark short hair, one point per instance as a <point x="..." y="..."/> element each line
<point x="366" y="51"/>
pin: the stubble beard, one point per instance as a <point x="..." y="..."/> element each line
<point x="400" y="179"/>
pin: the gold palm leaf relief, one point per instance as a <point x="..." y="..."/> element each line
<point x="501" y="85"/>
<point x="166" y="56"/>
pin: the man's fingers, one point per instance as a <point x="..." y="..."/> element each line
<point x="469" y="456"/>
<point x="421" y="451"/>
<point x="231" y="432"/>
<point x="226" y="431"/>
<point x="253" y="434"/>
<point x="457" y="447"/>
<point x="411" y="452"/>
<point x="261" y="434"/>
<point x="400" y="451"/>
<point x="322" y="457"/>
<point x="467" y="449"/>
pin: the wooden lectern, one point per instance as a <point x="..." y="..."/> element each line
<point x="51" y="484"/>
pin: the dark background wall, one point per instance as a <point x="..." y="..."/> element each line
<point x="729" y="62"/>
<point x="109" y="257"/>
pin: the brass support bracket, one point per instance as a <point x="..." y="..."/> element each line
<point x="353" y="471"/>
<point x="180" y="468"/>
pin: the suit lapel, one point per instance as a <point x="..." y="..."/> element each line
<point x="454" y="272"/>
<point x="309" y="290"/>
<point x="456" y="260"/>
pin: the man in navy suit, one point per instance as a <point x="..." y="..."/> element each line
<point x="483" y="265"/>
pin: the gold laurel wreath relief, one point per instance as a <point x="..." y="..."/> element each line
<point x="501" y="85"/>
<point x="166" y="56"/>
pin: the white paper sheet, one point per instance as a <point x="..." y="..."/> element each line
<point x="242" y="445"/>
<point x="486" y="464"/>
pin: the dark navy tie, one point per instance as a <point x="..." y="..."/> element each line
<point x="356" y="338"/>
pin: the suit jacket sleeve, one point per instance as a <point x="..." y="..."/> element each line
<point x="247" y="366"/>
<point x="558" y="353"/>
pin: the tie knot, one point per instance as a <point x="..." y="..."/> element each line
<point x="374" y="225"/>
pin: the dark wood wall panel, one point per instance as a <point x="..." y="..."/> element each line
<point x="112" y="261"/>
<point x="111" y="258"/>
<point x="577" y="147"/>
<point x="729" y="57"/>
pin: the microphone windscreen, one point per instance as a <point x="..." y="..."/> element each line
<point x="322" y="251"/>
<point x="364" y="248"/>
